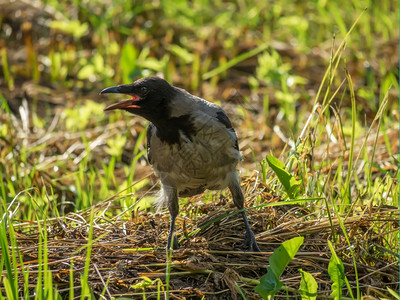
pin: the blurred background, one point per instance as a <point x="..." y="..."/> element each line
<point x="263" y="61"/>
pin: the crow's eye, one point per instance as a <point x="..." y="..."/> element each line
<point x="143" y="89"/>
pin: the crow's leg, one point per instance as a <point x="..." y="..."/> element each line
<point x="249" y="243"/>
<point x="173" y="207"/>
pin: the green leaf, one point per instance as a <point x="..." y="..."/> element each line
<point x="229" y="64"/>
<point x="279" y="169"/>
<point x="270" y="283"/>
<point x="393" y="293"/>
<point x="263" y="165"/>
<point x="336" y="272"/>
<point x="98" y="62"/>
<point x="308" y="286"/>
<point x="72" y="27"/>
<point x="128" y="62"/>
<point x="78" y="117"/>
<point x="146" y="281"/>
<point x="86" y="72"/>
<point x="294" y="187"/>
<point x="116" y="145"/>
<point x="9" y="282"/>
<point x="144" y="203"/>
<point x="9" y="290"/>
<point x="182" y="53"/>
<point x="152" y="64"/>
<point x="289" y="182"/>
<point x="284" y="254"/>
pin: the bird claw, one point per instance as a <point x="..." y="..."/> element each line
<point x="249" y="244"/>
<point x="175" y="244"/>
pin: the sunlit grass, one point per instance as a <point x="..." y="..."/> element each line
<point x="55" y="163"/>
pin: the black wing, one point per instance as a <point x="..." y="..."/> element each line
<point x="150" y="132"/>
<point x="223" y="118"/>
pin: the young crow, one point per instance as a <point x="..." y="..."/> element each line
<point x="190" y="143"/>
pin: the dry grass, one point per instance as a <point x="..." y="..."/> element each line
<point x="208" y="264"/>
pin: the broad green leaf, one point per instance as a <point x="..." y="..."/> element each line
<point x="279" y="169"/>
<point x="294" y="187"/>
<point x="290" y="183"/>
<point x="270" y="283"/>
<point x="308" y="286"/>
<point x="284" y="254"/>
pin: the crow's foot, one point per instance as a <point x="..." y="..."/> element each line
<point x="249" y="244"/>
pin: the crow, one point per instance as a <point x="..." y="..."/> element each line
<point x="191" y="145"/>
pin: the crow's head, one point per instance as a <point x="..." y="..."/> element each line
<point x="149" y="98"/>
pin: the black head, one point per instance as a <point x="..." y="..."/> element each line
<point x="149" y="97"/>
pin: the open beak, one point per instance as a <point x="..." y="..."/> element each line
<point x="126" y="104"/>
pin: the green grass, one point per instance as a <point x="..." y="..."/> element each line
<point x="312" y="84"/>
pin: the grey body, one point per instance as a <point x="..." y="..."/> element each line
<point x="190" y="142"/>
<point x="204" y="159"/>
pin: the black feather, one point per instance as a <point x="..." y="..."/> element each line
<point x="223" y="118"/>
